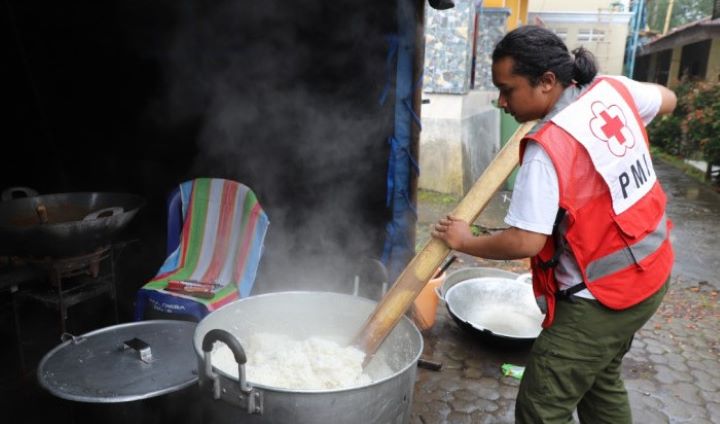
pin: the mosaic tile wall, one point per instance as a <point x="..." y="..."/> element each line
<point x="448" y="48"/>
<point x="491" y="28"/>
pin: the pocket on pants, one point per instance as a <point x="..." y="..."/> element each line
<point x="560" y="371"/>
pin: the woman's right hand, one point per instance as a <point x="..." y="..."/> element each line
<point x="453" y="231"/>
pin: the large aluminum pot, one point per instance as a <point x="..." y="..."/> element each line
<point x="333" y="316"/>
<point x="64" y="224"/>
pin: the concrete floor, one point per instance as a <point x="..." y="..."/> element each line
<point x="672" y="372"/>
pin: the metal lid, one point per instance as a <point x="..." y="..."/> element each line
<point x="122" y="363"/>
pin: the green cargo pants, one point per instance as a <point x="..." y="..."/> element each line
<point x="577" y="363"/>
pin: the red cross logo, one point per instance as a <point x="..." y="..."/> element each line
<point x="613" y="126"/>
<point x="608" y="125"/>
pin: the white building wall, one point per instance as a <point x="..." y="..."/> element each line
<point x="603" y="32"/>
<point x="577" y="6"/>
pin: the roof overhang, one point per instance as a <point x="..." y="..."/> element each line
<point x="582" y="17"/>
<point x="698" y="31"/>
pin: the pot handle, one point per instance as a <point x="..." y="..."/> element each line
<point x="140" y="347"/>
<point x="219" y="335"/>
<point x="9" y="193"/>
<point x="248" y="397"/>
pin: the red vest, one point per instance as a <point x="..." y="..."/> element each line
<point x="624" y="257"/>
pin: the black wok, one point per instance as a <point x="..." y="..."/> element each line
<point x="495" y="304"/>
<point x="66" y="224"/>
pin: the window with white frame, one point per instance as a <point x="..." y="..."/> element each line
<point x="590" y="34"/>
<point x="561" y="33"/>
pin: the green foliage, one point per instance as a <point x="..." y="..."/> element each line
<point x="665" y="133"/>
<point x="683" y="12"/>
<point x="703" y="123"/>
<point x="693" y="130"/>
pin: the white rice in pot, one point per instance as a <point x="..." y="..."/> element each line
<point x="312" y="364"/>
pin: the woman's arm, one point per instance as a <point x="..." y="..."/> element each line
<point x="668" y="99"/>
<point x="512" y="243"/>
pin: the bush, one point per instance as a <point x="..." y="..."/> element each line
<point x="693" y="130"/>
<point x="703" y="123"/>
<point x="665" y="133"/>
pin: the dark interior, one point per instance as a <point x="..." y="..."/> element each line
<point x="662" y="68"/>
<point x="693" y="61"/>
<point x="137" y="97"/>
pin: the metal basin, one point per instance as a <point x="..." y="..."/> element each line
<point x="493" y="302"/>
<point x="496" y="306"/>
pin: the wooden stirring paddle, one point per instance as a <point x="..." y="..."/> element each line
<point x="422" y="267"/>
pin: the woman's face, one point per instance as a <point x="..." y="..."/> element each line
<point x="517" y="96"/>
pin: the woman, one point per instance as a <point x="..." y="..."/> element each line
<point x="589" y="212"/>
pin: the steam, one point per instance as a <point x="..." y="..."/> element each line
<point x="284" y="96"/>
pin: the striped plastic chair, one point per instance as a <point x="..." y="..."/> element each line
<point x="217" y="253"/>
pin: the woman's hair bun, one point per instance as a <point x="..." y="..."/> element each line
<point x="585" y="67"/>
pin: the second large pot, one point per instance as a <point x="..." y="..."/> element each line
<point x="64" y="224"/>
<point x="332" y="316"/>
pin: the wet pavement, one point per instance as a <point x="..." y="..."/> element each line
<point x="672" y="372"/>
<point x="695" y="211"/>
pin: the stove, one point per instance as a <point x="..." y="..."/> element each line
<point x="63" y="282"/>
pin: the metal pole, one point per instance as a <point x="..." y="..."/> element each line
<point x="417" y="75"/>
<point x="634" y="36"/>
<point x="668" y="14"/>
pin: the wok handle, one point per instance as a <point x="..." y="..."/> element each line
<point x="104" y="213"/>
<point x="10" y="193"/>
<point x="42" y="214"/>
<point x="445" y="266"/>
<point x="439" y="294"/>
